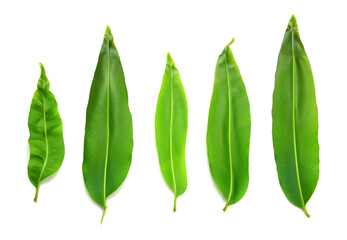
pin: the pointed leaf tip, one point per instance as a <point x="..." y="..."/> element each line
<point x="108" y="33"/>
<point x="227" y="46"/>
<point x="43" y="83"/>
<point x="43" y="71"/>
<point x="231" y="42"/>
<point x="292" y="22"/>
<point x="169" y="59"/>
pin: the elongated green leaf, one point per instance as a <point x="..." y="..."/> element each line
<point x="171" y="123"/>
<point x="229" y="129"/>
<point x="295" y="121"/>
<point x="46" y="134"/>
<point x="108" y="141"/>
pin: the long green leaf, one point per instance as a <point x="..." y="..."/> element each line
<point x="229" y="129"/>
<point x="46" y="134"/>
<point x="295" y="121"/>
<point x="108" y="141"/>
<point x="171" y="122"/>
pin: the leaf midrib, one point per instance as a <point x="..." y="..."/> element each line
<point x="107" y="126"/>
<point x="171" y="121"/>
<point x="46" y="145"/>
<point x="229" y="129"/>
<point x="294" y="125"/>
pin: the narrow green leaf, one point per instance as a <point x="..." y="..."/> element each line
<point x="108" y="141"/>
<point x="46" y="134"/>
<point x="295" y="121"/>
<point x="171" y="123"/>
<point x="229" y="129"/>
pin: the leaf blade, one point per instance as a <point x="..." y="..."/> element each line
<point x="295" y="138"/>
<point x="228" y="131"/>
<point x="46" y="134"/>
<point x="171" y="123"/>
<point x="108" y="134"/>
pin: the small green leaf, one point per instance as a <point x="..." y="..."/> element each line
<point x="171" y="123"/>
<point x="46" y="134"/>
<point x="108" y="141"/>
<point x="295" y="121"/>
<point x="229" y="129"/>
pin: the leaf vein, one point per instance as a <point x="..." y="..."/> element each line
<point x="171" y="147"/>
<point x="107" y="128"/>
<point x="229" y="130"/>
<point x="46" y="145"/>
<point x="294" y="125"/>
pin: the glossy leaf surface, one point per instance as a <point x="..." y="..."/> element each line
<point x="229" y="129"/>
<point x="171" y="122"/>
<point x="295" y="121"/>
<point x="46" y="134"/>
<point x="108" y="141"/>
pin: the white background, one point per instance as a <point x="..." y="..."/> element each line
<point x="66" y="37"/>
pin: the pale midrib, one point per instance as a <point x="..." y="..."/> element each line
<point x="107" y="127"/>
<point x="46" y="145"/>
<point x="171" y="157"/>
<point x="294" y="125"/>
<point x="229" y="132"/>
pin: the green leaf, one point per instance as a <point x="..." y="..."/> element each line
<point x="229" y="129"/>
<point x="295" y="121"/>
<point x="108" y="141"/>
<point x="171" y="123"/>
<point x="46" y="134"/>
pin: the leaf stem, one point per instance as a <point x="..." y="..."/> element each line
<point x="103" y="214"/>
<point x="174" y="209"/>
<point x="36" y="193"/>
<point x="306" y="213"/>
<point x="226" y="206"/>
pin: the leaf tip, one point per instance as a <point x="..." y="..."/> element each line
<point x="292" y="22"/>
<point x="293" y="17"/>
<point x="43" y="71"/>
<point x="169" y="56"/>
<point x="108" y="29"/>
<point x="228" y="45"/>
<point x="169" y="59"/>
<point x="108" y="33"/>
<point x="231" y="42"/>
<point x="43" y="83"/>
